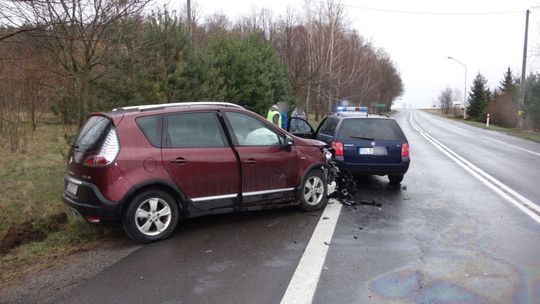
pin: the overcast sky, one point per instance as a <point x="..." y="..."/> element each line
<point x="419" y="43"/>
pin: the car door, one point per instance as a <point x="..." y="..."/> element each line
<point x="327" y="130"/>
<point x="300" y="127"/>
<point x="197" y="155"/>
<point x="269" y="169"/>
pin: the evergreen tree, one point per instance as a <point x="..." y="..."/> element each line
<point x="532" y="98"/>
<point x="157" y="64"/>
<point x="253" y="74"/>
<point x="479" y="96"/>
<point x="508" y="83"/>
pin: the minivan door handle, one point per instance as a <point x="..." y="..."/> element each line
<point x="250" y="161"/>
<point x="178" y="160"/>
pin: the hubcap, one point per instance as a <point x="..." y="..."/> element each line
<point x="313" y="190"/>
<point x="153" y="216"/>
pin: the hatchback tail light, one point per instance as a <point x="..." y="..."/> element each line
<point x="338" y="148"/>
<point x="405" y="150"/>
<point x="108" y="152"/>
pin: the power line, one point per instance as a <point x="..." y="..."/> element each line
<point x="393" y="11"/>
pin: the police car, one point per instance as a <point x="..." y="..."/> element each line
<point x="364" y="144"/>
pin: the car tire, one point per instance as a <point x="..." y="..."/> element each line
<point x="151" y="216"/>
<point x="313" y="191"/>
<point x="395" y="179"/>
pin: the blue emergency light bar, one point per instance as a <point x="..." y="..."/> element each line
<point x="352" y="109"/>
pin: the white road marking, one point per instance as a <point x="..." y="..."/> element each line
<point x="513" y="146"/>
<point x="465" y="131"/>
<point x="516" y="199"/>
<point x="304" y="282"/>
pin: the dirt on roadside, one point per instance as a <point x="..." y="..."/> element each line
<point x="19" y="234"/>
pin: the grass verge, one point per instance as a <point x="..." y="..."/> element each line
<point x="31" y="182"/>
<point x="530" y="135"/>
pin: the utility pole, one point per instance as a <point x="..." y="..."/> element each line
<point x="523" y="71"/>
<point x="465" y="94"/>
<point x="190" y="31"/>
<point x="464" y="87"/>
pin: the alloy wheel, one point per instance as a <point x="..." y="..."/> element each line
<point x="313" y="190"/>
<point x="153" y="216"/>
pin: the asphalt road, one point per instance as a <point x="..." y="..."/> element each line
<point x="451" y="234"/>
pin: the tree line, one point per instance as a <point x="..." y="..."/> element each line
<point x="72" y="57"/>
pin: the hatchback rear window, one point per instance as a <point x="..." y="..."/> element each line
<point x="378" y="129"/>
<point x="92" y="133"/>
<point x="329" y="126"/>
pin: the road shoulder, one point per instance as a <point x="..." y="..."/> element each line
<point x="528" y="135"/>
<point x="64" y="272"/>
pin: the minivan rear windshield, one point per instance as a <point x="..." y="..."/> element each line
<point x="378" y="129"/>
<point x="92" y="133"/>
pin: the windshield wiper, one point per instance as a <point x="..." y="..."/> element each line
<point x="365" y="138"/>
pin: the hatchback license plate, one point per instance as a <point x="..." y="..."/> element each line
<point x="366" y="151"/>
<point x="72" y="188"/>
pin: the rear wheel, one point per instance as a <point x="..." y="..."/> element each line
<point x="313" y="191"/>
<point x="395" y="179"/>
<point x="151" y="216"/>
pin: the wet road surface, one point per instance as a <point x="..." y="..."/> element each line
<point x="444" y="236"/>
<point x="446" y="239"/>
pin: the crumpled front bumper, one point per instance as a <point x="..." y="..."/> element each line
<point x="331" y="188"/>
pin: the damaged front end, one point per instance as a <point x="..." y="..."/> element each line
<point x="341" y="184"/>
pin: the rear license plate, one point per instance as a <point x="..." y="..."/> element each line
<point x="72" y="188"/>
<point x="365" y="151"/>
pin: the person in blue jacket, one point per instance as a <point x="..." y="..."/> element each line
<point x="284" y="108"/>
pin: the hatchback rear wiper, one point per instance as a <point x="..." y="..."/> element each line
<point x="365" y="138"/>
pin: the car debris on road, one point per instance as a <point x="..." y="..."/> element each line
<point x="346" y="187"/>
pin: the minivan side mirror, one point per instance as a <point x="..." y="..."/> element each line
<point x="300" y="127"/>
<point x="288" y="143"/>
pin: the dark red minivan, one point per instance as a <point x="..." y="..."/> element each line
<point x="147" y="167"/>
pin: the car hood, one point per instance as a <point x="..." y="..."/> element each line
<point x="308" y="142"/>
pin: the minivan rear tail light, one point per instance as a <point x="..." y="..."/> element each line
<point x="405" y="150"/>
<point x="338" y="148"/>
<point x="108" y="152"/>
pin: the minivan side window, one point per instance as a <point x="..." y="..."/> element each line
<point x="193" y="130"/>
<point x="151" y="128"/>
<point x="329" y="126"/>
<point x="251" y="132"/>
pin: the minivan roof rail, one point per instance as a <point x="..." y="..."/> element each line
<point x="177" y="104"/>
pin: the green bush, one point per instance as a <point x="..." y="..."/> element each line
<point x="532" y="99"/>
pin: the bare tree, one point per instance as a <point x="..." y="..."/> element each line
<point x="447" y="98"/>
<point x="217" y="24"/>
<point x="77" y="34"/>
<point x="339" y="63"/>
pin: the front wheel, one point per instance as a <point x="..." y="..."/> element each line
<point x="313" y="191"/>
<point x="395" y="179"/>
<point x="151" y="216"/>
